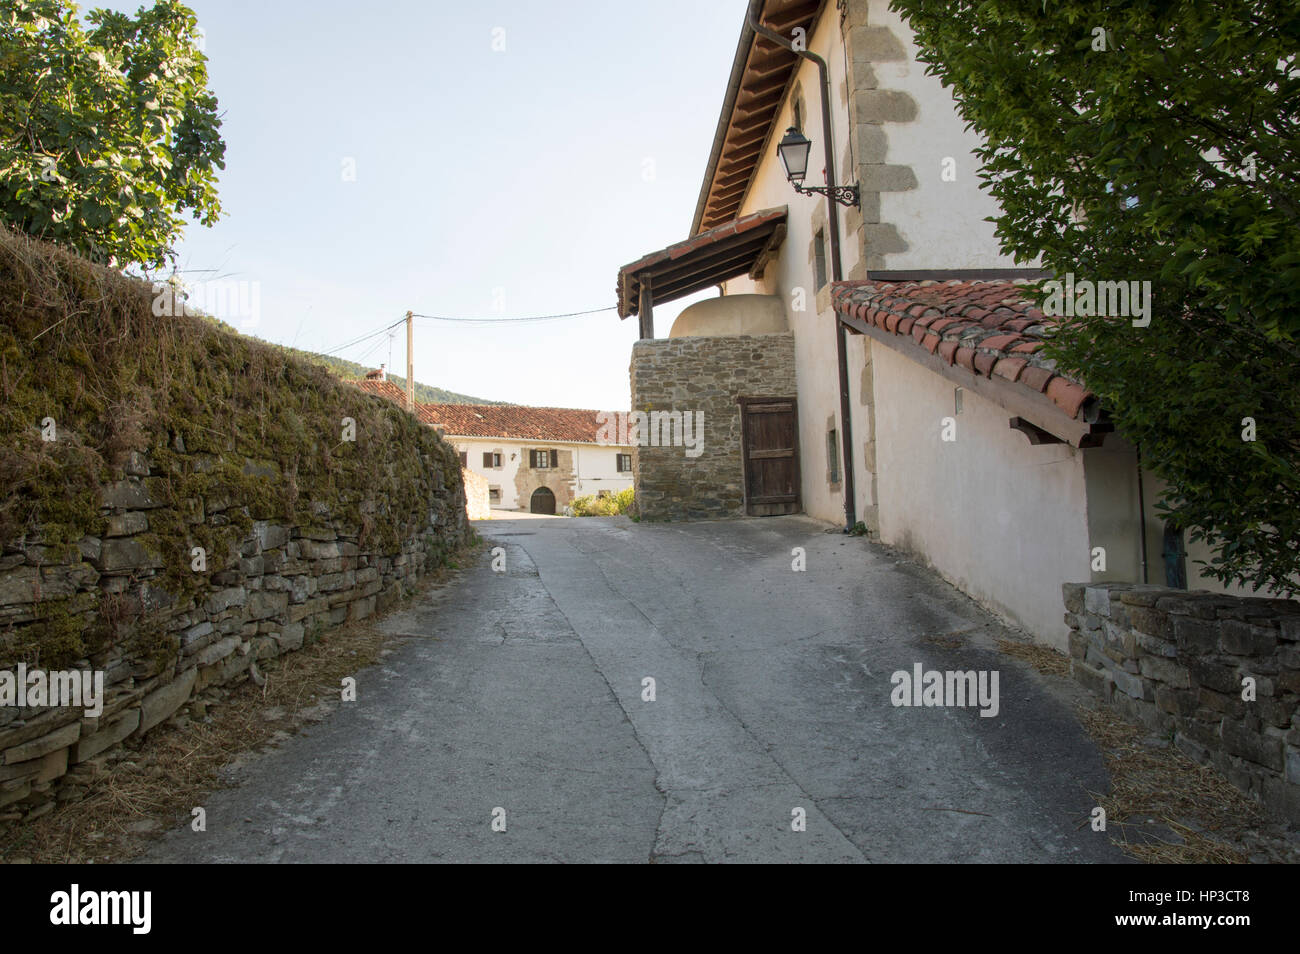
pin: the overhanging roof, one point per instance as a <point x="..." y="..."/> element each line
<point x="735" y="248"/>
<point x="761" y="74"/>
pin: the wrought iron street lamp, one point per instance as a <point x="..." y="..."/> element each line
<point x="794" y="149"/>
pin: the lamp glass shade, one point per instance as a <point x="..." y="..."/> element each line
<point x="794" y="154"/>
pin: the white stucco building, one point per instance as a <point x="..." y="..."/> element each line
<point x="965" y="447"/>
<point x="535" y="459"/>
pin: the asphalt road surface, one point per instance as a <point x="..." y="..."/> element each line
<point x="518" y="700"/>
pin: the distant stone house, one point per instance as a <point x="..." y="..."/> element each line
<point x="901" y="383"/>
<point x="536" y="459"/>
<point x="532" y="459"/>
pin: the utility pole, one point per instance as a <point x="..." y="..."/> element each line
<point x="410" y="363"/>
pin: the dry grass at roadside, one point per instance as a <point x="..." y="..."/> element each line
<point x="154" y="787"/>
<point x="1043" y="658"/>
<point x="1210" y="820"/>
<point x="1163" y="808"/>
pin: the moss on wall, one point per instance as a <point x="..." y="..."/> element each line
<point x="223" y="430"/>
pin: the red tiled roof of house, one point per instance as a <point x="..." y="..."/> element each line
<point x="384" y="389"/>
<point x="567" y="424"/>
<point x="987" y="327"/>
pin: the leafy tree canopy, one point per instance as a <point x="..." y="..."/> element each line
<point x="108" y="133"/>
<point x="1156" y="140"/>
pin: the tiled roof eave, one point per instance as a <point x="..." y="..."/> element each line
<point x="984" y="335"/>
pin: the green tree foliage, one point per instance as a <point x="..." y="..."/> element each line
<point x="1157" y="141"/>
<point x="108" y="134"/>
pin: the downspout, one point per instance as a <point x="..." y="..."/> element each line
<point x="833" y="225"/>
<point x="1142" y="515"/>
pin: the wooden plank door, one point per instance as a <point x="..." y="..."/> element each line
<point x="769" y="430"/>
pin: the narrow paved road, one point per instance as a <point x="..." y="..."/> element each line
<point x="523" y="690"/>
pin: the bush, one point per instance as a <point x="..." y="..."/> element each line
<point x="592" y="506"/>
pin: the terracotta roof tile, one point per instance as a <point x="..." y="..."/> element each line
<point x="987" y="327"/>
<point x="515" y="422"/>
<point x="384" y="389"/>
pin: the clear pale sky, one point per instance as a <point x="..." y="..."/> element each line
<point x="488" y="183"/>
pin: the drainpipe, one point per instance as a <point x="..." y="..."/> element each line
<point x="1142" y="515"/>
<point x="833" y="226"/>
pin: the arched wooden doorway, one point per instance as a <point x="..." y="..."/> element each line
<point x="543" y="501"/>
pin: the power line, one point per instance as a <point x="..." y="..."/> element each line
<point x="365" y="337"/>
<point x="502" y="321"/>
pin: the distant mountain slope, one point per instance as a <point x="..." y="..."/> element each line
<point x="424" y="393"/>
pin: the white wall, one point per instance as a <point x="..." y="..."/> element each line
<point x="1003" y="520"/>
<point x="942" y="223"/>
<point x="594" y="470"/>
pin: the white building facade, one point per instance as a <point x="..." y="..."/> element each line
<point x="966" y="449"/>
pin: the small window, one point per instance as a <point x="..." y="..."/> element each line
<point x="624" y="463"/>
<point x="602" y="494"/>
<point x="464" y="458"/>
<point x="494" y="495"/>
<point x="819" y="257"/>
<point x="543" y="459"/>
<point x="491" y="459"/>
<point x="833" y="454"/>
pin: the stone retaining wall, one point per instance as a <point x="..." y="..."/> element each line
<point x="703" y="374"/>
<point x="1219" y="673"/>
<point x="169" y="653"/>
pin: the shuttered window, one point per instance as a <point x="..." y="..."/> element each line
<point x="464" y="458"/>
<point x="624" y="463"/>
<point x="542" y="459"/>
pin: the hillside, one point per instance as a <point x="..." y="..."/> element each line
<point x="350" y="370"/>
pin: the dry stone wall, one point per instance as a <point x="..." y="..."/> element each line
<point x="1221" y="674"/>
<point x="703" y="375"/>
<point x="288" y="582"/>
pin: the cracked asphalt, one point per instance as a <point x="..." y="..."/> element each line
<point x="524" y="691"/>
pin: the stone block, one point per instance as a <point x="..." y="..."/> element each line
<point x="884" y="106"/>
<point x="1156" y="647"/>
<point x="127" y="553"/>
<point x="109" y="734"/>
<point x="35" y="748"/>
<point x="52" y="765"/>
<point x="1245" y="639"/>
<point x="1096" y="600"/>
<point x="218" y="651"/>
<point x="1220" y="678"/>
<point x="1092" y="678"/>
<point x="270" y="535"/>
<point x="223" y="600"/>
<point x="1252" y="745"/>
<point x="263" y="605"/>
<point x="161" y="703"/>
<point x="1195" y="636"/>
<point x="1072" y="594"/>
<point x="1150" y="621"/>
<point x="126" y="524"/>
<point x="1166" y="671"/>
<point x="132" y="494"/>
<point x="290" y="637"/>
